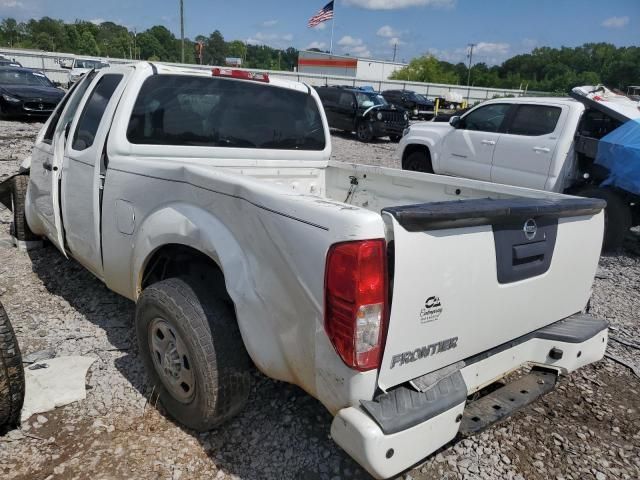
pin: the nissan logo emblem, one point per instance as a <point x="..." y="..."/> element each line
<point x="530" y="229"/>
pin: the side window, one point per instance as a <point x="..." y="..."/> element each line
<point x="534" y="120"/>
<point x="73" y="98"/>
<point x="93" y="110"/>
<point x="346" y="99"/>
<point x="487" y="118"/>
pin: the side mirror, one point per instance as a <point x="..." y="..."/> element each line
<point x="455" y="121"/>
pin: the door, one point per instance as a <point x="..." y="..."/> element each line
<point x="468" y="150"/>
<point x="83" y="170"/>
<point x="525" y="151"/>
<point x="346" y="111"/>
<point x="45" y="163"/>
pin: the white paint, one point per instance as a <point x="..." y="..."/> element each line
<point x="268" y="217"/>
<point x="544" y="162"/>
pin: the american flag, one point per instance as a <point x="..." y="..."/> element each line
<point x="322" y="16"/>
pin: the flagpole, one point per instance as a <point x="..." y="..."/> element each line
<point x="333" y="21"/>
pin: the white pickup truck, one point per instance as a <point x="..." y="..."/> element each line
<point x="209" y="199"/>
<point x="542" y="143"/>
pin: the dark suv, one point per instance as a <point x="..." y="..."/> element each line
<point x="418" y="105"/>
<point x="367" y="113"/>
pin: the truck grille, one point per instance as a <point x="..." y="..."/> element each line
<point x="394" y="118"/>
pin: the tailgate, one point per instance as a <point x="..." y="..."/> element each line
<point x="470" y="275"/>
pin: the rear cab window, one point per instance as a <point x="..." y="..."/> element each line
<point x="216" y="112"/>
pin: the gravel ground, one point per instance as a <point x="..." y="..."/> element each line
<point x="588" y="428"/>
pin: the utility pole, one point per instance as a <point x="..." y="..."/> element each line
<point x="395" y="49"/>
<point x="182" y="27"/>
<point x="471" y="47"/>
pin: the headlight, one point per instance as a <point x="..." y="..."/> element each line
<point x="415" y="111"/>
<point x="406" y="131"/>
<point x="11" y="99"/>
<point x="379" y="116"/>
<point x="406" y="116"/>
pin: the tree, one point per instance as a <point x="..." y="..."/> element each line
<point x="9" y="31"/>
<point x="88" y="45"/>
<point x="425" y="69"/>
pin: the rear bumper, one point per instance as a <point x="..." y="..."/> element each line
<point x="580" y="339"/>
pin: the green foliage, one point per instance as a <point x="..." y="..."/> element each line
<point x="544" y="69"/>
<point x="426" y="69"/>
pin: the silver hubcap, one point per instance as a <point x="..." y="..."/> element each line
<point x="171" y="360"/>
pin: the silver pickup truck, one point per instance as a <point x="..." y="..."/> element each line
<point x="390" y="296"/>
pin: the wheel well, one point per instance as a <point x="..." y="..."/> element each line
<point x="415" y="147"/>
<point x="175" y="260"/>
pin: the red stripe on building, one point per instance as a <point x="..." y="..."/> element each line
<point x="326" y="62"/>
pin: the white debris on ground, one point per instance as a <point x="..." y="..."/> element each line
<point x="588" y="428"/>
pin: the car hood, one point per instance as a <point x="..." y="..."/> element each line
<point x="28" y="92"/>
<point x="380" y="108"/>
<point x="437" y="128"/>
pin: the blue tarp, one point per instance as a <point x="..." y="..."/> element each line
<point x="619" y="152"/>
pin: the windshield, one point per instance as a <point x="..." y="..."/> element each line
<point x="23" y="77"/>
<point x="90" y="64"/>
<point x="414" y="96"/>
<point x="366" y="99"/>
<point x="214" y="112"/>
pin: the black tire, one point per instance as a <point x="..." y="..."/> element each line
<point x="20" y="229"/>
<point x="617" y="217"/>
<point x="363" y="131"/>
<point x="206" y="328"/>
<point x="11" y="375"/>
<point x="418" y="161"/>
<point x="395" y="138"/>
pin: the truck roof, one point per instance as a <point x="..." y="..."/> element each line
<point x="206" y="72"/>
<point x="561" y="100"/>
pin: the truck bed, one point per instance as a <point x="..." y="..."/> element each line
<point x="466" y="275"/>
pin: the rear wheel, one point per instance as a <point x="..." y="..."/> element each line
<point x="418" y="161"/>
<point x="20" y="229"/>
<point x="193" y="352"/>
<point x="364" y="132"/>
<point x="617" y="217"/>
<point x="11" y="375"/>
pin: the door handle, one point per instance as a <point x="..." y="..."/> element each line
<point x="542" y="149"/>
<point x="488" y="142"/>
<point x="47" y="166"/>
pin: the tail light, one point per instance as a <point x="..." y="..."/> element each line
<point x="356" y="301"/>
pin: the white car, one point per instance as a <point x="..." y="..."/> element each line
<point x="81" y="66"/>
<point x="543" y="143"/>
<point x="211" y="201"/>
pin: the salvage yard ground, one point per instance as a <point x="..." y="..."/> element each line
<point x="589" y="428"/>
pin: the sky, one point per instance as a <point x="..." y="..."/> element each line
<point x="371" y="28"/>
